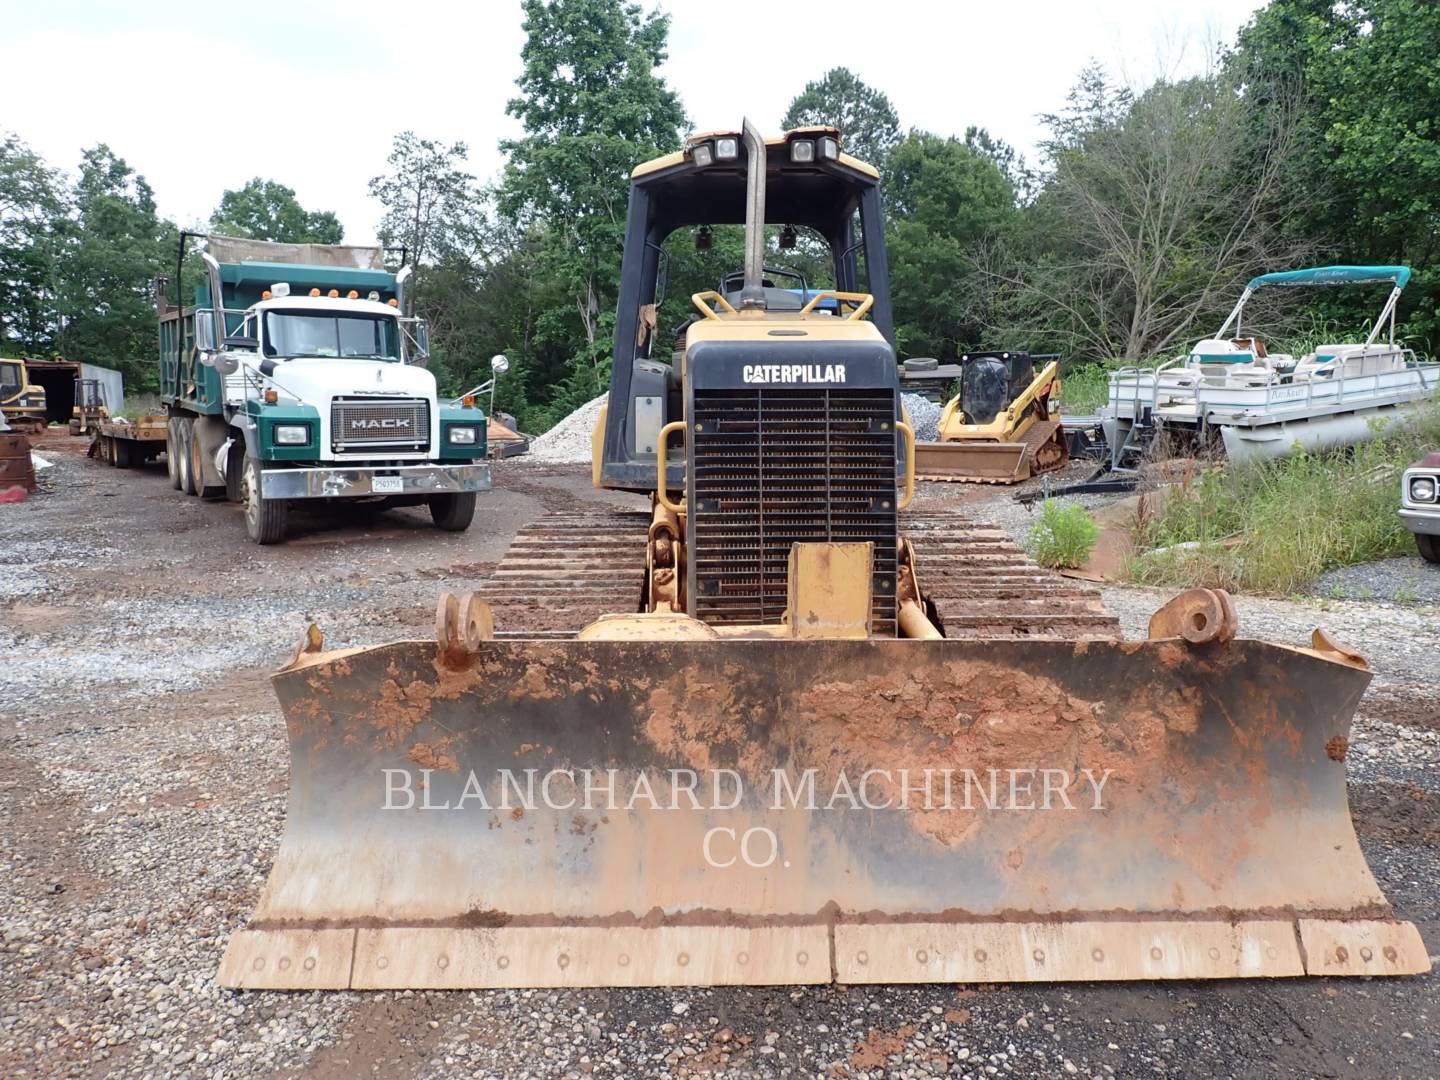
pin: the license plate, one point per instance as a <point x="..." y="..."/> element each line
<point x="387" y="485"/>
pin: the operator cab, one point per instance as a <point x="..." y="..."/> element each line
<point x="823" y="210"/>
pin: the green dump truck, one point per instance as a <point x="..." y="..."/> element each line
<point x="298" y="375"/>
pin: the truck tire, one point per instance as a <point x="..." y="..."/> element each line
<point x="235" y="471"/>
<point x="182" y="451"/>
<point x="264" y="518"/>
<point x="1429" y="547"/>
<point x="172" y="452"/>
<point x="124" y="453"/>
<point x="197" y="468"/>
<point x="452" y="513"/>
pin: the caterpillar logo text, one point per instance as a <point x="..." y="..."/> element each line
<point x="794" y="373"/>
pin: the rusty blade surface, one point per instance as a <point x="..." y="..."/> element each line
<point x="921" y="810"/>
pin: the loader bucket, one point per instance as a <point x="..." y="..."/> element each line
<point x="976" y="461"/>
<point x="516" y="813"/>
<point x="972" y="462"/>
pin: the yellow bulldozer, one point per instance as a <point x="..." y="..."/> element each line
<point x="22" y="402"/>
<point x="1002" y="427"/>
<point x="783" y="729"/>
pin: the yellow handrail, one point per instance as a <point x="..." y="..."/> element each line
<point x="864" y="300"/>
<point x="699" y="300"/>
<point x="662" y="496"/>
<point x="909" y="433"/>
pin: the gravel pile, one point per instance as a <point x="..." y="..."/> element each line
<point x="568" y="442"/>
<point x="924" y="417"/>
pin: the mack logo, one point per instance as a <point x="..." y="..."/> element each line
<point x="793" y="373"/>
<point x="386" y="422"/>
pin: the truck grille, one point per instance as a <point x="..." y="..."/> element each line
<point x="773" y="467"/>
<point x="370" y="423"/>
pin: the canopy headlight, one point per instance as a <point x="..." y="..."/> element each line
<point x="829" y="149"/>
<point x="1422" y="489"/>
<point x="292" y="434"/>
<point x="703" y="154"/>
<point x="802" y="152"/>
<point x="463" y="434"/>
<point x="727" y="149"/>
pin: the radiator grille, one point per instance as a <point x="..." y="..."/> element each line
<point x="368" y="423"/>
<point x="775" y="467"/>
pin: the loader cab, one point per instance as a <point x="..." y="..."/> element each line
<point x="990" y="381"/>
<point x="812" y="189"/>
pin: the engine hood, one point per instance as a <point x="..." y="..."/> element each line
<point x="315" y="380"/>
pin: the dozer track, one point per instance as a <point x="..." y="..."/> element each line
<point x="984" y="586"/>
<point x="564" y="571"/>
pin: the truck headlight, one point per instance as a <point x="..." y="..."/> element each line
<point x="292" y="434"/>
<point x="1422" y="489"/>
<point x="462" y="434"/>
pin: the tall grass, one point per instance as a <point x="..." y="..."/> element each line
<point x="1271" y="527"/>
<point x="1064" y="535"/>
<point x="1085" y="387"/>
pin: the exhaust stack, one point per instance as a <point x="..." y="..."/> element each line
<point x="752" y="294"/>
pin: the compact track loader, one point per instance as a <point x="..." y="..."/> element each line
<point x="1002" y="427"/>
<point x="781" y="729"/>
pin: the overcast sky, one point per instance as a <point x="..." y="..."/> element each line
<point x="310" y="94"/>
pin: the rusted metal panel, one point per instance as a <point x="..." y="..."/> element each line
<point x="642" y="785"/>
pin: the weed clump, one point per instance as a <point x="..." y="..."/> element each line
<point x="1064" y="536"/>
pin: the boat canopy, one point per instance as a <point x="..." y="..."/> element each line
<point x="1396" y="276"/>
<point x="1335" y="275"/>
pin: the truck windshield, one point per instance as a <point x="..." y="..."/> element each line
<point x="294" y="334"/>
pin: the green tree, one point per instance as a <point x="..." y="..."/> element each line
<point x="33" y="201"/>
<point x="266" y="210"/>
<point x="591" y="107"/>
<point x="1366" y="94"/>
<point x="113" y="247"/>
<point x="864" y="115"/>
<point x="946" y="200"/>
<point x="432" y="208"/>
<point x="1156" y="210"/>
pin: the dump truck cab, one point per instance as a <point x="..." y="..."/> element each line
<point x="298" y="375"/>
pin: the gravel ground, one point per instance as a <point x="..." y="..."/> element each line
<point x="142" y="781"/>
<point x="1408" y="580"/>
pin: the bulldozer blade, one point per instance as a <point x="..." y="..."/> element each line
<point x="518" y="813"/>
